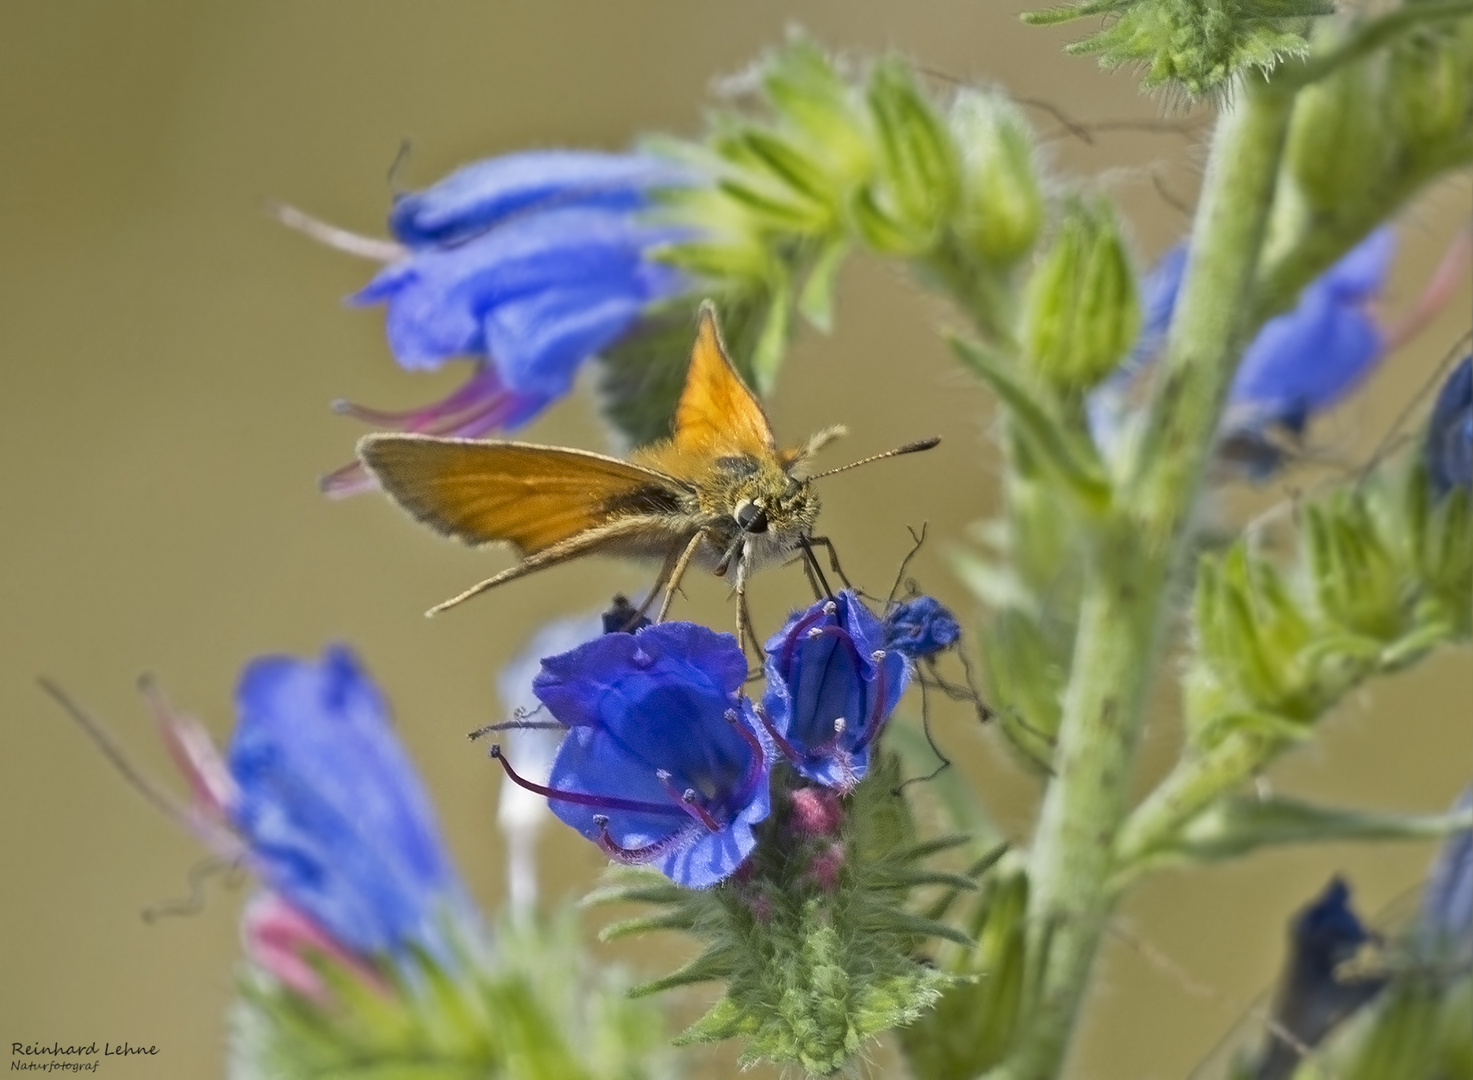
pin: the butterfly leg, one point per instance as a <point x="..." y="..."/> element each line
<point x="815" y="541"/>
<point x="672" y="582"/>
<point x="745" y="632"/>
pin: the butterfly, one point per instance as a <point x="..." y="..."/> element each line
<point x="718" y="493"/>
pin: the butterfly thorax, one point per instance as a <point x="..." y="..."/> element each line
<point x="743" y="495"/>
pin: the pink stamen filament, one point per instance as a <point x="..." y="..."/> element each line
<point x="787" y="749"/>
<point x="877" y="718"/>
<point x="603" y="802"/>
<point x="614" y="850"/>
<point x="686" y="800"/>
<point x="798" y="630"/>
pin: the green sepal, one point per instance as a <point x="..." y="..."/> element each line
<point x="917" y="175"/>
<point x="1081" y="312"/>
<point x="806" y="92"/>
<point x="1067" y="454"/>
<point x="1002" y="205"/>
<point x="816" y="299"/>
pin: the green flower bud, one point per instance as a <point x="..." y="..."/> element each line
<point x="1081" y="312"/>
<point x="917" y="176"/>
<point x="1357" y="583"/>
<point x="1002" y="204"/>
<point x="972" y="1026"/>
<point x="1338" y="143"/>
<point x="1427" y="85"/>
<point x="819" y="106"/>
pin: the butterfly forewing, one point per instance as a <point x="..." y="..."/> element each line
<point x="717" y="414"/>
<point x="530" y="496"/>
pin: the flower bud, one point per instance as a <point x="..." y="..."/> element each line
<point x="1427" y="79"/>
<point x="1081" y="311"/>
<point x="1001" y="202"/>
<point x="1338" y="143"/>
<point x="917" y="174"/>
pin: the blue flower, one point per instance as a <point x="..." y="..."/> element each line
<point x="1314" y="993"/>
<point x="1448" y="450"/>
<point x="1447" y="900"/>
<point x="921" y="627"/>
<point x="1306" y="360"/>
<point x="333" y="816"/>
<point x="1301" y="362"/>
<point x="527" y="264"/>
<point x="661" y="763"/>
<point x="831" y="685"/>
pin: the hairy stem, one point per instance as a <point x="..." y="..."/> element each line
<point x="1137" y="551"/>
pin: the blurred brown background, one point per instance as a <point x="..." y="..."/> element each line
<point x="169" y="353"/>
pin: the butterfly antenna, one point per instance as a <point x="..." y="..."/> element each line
<point x="908" y="448"/>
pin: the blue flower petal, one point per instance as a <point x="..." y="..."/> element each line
<point x="334" y="815"/>
<point x="476" y="197"/>
<point x="524" y="282"/>
<point x="1447" y="899"/>
<point x="651" y="716"/>
<point x="821" y="669"/>
<point x="1306" y="360"/>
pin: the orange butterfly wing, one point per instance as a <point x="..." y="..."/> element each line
<point x="717" y="414"/>
<point x="533" y="497"/>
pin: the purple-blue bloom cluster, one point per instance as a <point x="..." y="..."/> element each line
<point x="662" y="762"/>
<point x="832" y="683"/>
<point x="1448" y="451"/>
<point x="921" y="627"/>
<point x="528" y="264"/>
<point x="335" y="820"/>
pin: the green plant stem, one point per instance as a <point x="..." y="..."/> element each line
<point x="1137" y="551"/>
<point x="1196" y="781"/>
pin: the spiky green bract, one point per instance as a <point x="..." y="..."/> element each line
<point x="1197" y="45"/>
<point x="1382" y="576"/>
<point x="532" y="1007"/>
<point x="812" y="936"/>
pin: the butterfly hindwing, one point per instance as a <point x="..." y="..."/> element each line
<point x="530" y="496"/>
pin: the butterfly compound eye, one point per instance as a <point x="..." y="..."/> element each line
<point x="751" y="517"/>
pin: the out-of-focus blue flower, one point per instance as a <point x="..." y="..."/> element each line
<point x="527" y="264"/>
<point x="334" y="818"/>
<point x="921" y="627"/>
<point x="1447" y="901"/>
<point x="831" y="685"/>
<point x="1449" y="447"/>
<point x="661" y="763"/>
<point x="1300" y="364"/>
<point x="520" y="813"/>
<point x="1306" y="360"/>
<point x="1312" y="995"/>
